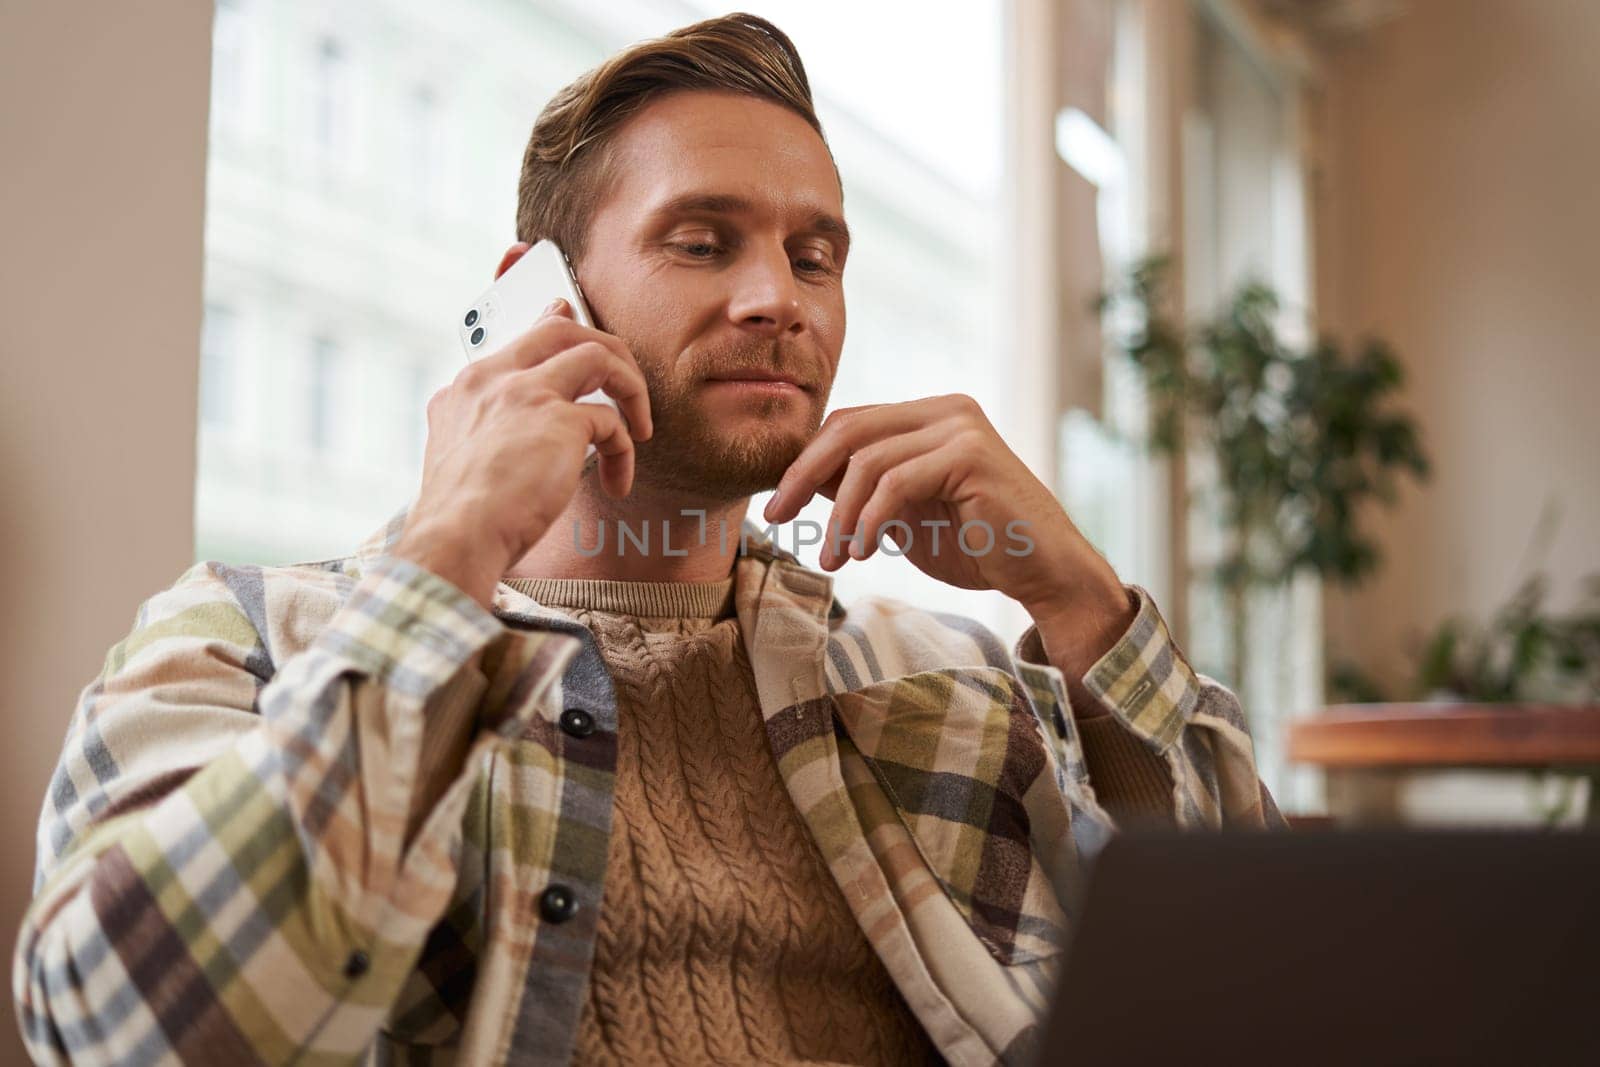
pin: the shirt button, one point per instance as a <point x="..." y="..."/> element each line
<point x="577" y="722"/>
<point x="356" y="965"/>
<point x="558" y="903"/>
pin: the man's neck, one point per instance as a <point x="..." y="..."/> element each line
<point x="648" y="537"/>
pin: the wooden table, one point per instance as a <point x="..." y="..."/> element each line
<point x="1397" y="737"/>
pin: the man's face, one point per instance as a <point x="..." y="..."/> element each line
<point x="717" y="257"/>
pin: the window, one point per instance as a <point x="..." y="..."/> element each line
<point x="1245" y="220"/>
<point x="424" y="158"/>
<point x="219" y="335"/>
<point x="1237" y="185"/>
<point x="232" y="58"/>
<point x="321" y="398"/>
<point x="1114" y="489"/>
<point x="330" y="91"/>
<point x="413" y="414"/>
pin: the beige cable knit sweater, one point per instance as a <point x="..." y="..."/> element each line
<point x="723" y="937"/>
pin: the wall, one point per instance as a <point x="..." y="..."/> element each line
<point x="1460" y="221"/>
<point x="102" y="129"/>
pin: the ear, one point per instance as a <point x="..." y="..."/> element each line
<point x="513" y="254"/>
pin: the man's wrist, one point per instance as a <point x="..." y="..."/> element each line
<point x="452" y="557"/>
<point x="1077" y="633"/>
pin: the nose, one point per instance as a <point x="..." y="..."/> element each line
<point x="766" y="297"/>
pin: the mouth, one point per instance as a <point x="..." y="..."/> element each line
<point x="760" y="379"/>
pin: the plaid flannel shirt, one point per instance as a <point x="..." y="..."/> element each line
<point x="234" y="865"/>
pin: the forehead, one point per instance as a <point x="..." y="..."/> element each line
<point x="741" y="145"/>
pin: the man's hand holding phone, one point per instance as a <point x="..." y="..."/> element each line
<point x="507" y="441"/>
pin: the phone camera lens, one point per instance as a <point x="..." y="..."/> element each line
<point x="472" y="318"/>
<point x="477" y="336"/>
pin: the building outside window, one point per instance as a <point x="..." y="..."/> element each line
<point x="232" y="64"/>
<point x="322" y="394"/>
<point x="219" y="335"/>
<point x="426" y="153"/>
<point x="330" y="102"/>
<point x="413" y="411"/>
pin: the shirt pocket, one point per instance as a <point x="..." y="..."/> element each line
<point x="960" y="757"/>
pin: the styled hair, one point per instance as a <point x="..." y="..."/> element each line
<point x="566" y="169"/>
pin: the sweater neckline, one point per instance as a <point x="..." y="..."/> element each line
<point x="697" y="600"/>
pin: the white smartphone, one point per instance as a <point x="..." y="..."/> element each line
<point x="509" y="308"/>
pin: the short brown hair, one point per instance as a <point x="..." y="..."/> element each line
<point x="565" y="169"/>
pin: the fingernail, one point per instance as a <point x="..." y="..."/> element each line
<point x="766" y="512"/>
<point x="550" y="309"/>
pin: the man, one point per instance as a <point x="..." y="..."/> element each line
<point x="482" y="792"/>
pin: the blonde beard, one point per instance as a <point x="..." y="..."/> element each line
<point x="689" y="455"/>
<point x="692" y="456"/>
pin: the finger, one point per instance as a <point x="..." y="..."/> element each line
<point x="927" y="476"/>
<point x="640" y="419"/>
<point x="841" y="434"/>
<point x="558" y="330"/>
<point x="603" y="427"/>
<point x="590" y="366"/>
<point x="555" y="332"/>
<point x="830" y="487"/>
<point x="866" y="466"/>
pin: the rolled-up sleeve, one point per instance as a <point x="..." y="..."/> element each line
<point x="1192" y="723"/>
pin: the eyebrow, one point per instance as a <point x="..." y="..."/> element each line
<point x="729" y="204"/>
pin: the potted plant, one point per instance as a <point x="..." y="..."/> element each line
<point x="1302" y="437"/>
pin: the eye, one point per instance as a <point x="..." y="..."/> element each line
<point x="699" y="249"/>
<point x="814" y="260"/>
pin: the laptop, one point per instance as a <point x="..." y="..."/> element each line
<point x="1331" y="947"/>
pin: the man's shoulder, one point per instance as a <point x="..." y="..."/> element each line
<point x="334" y="576"/>
<point x="280" y="606"/>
